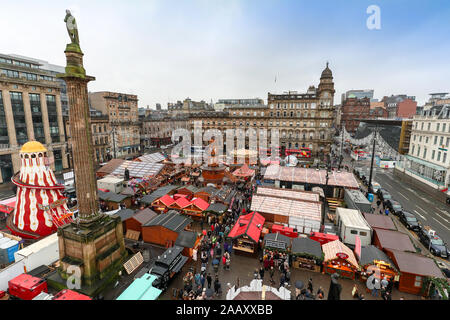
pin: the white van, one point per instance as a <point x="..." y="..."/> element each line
<point x="351" y="223"/>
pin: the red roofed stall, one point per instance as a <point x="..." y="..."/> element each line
<point x="246" y="233"/>
<point x="163" y="203"/>
<point x="196" y="207"/>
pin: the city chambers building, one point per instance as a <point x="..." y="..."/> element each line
<point x="30" y="109"/>
<point x="303" y="120"/>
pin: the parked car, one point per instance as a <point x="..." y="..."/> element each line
<point x="394" y="206"/>
<point x="375" y="186"/>
<point x="409" y="220"/>
<point x="437" y="246"/>
<point x="384" y="195"/>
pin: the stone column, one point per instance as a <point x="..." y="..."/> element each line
<point x="9" y="118"/>
<point x="82" y="149"/>
<point x="28" y="116"/>
<point x="45" y="122"/>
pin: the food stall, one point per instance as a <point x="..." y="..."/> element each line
<point x="338" y="258"/>
<point x="246" y="233"/>
<point x="276" y="242"/>
<point x="306" y="254"/>
<point x="373" y="259"/>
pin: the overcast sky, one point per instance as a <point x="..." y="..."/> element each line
<point x="169" y="50"/>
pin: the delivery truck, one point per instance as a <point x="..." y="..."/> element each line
<point x="351" y="223"/>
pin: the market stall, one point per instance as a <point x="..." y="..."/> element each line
<point x="205" y="193"/>
<point x="415" y="271"/>
<point x="195" y="208"/>
<point x="140" y="218"/>
<point x="164" y="229"/>
<point x="113" y="200"/>
<point x="374" y="260"/>
<point x="306" y="254"/>
<point x="338" y="258"/>
<point x="189" y="241"/>
<point x="246" y="233"/>
<point x="276" y="242"/>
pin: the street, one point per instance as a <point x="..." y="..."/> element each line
<point x="428" y="211"/>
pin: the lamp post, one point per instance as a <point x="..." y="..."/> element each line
<point x="369" y="187"/>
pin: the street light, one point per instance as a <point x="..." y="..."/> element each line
<point x="369" y="187"/>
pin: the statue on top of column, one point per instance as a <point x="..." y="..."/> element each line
<point x="71" y="26"/>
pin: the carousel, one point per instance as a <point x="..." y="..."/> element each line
<point x="40" y="206"/>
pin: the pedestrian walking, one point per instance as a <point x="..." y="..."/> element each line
<point x="386" y="211"/>
<point x="256" y="274"/>
<point x="271" y="273"/>
<point x="202" y="280"/>
<point x="261" y="273"/>
<point x="355" y="293"/>
<point x="209" y="280"/>
<point x="310" y="285"/>
<point x="217" y="286"/>
<point x="282" y="280"/>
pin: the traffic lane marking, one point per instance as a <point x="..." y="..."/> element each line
<point x="441" y="223"/>
<point x="420" y="215"/>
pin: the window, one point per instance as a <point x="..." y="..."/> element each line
<point x="418" y="282"/>
<point x="444" y="157"/>
<point x="432" y="154"/>
<point x="363" y="233"/>
<point x="422" y="126"/>
<point x="429" y="126"/>
<point x="439" y="156"/>
<point x="441" y="141"/>
<point x="435" y="139"/>
<point x="424" y="153"/>
<point x="437" y="126"/>
<point x="443" y="127"/>
<point x="353" y="232"/>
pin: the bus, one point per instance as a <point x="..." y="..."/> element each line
<point x="300" y="153"/>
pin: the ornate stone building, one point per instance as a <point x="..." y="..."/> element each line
<point x="122" y="110"/>
<point x="303" y="120"/>
<point x="157" y="128"/>
<point x="30" y="109"/>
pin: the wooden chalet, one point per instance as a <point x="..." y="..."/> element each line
<point x="140" y="218"/>
<point x="164" y="229"/>
<point x="196" y="207"/>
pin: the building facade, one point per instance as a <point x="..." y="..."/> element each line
<point x="352" y="110"/>
<point x="188" y="106"/>
<point x="122" y="112"/>
<point x="392" y="105"/>
<point x="428" y="159"/>
<point x="30" y="109"/>
<point x="359" y="94"/>
<point x="157" y="128"/>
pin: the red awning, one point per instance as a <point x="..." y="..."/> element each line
<point x="250" y="225"/>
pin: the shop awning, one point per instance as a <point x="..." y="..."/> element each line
<point x="426" y="163"/>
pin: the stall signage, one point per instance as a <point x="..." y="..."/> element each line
<point x="342" y="255"/>
<point x="52" y="205"/>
